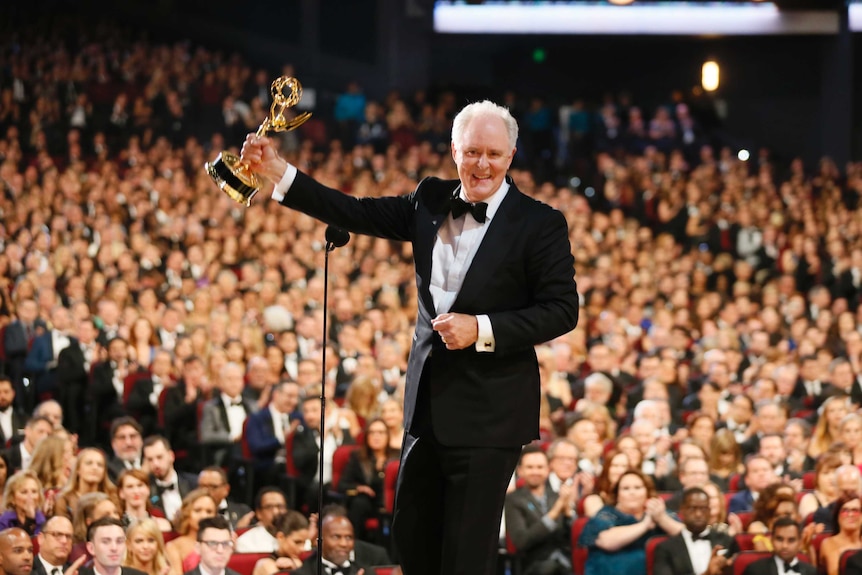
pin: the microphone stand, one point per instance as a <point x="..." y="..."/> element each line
<point x="335" y="238"/>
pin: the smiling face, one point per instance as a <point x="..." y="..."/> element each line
<point x="134" y="492"/>
<point x="142" y="546"/>
<point x="483" y="154"/>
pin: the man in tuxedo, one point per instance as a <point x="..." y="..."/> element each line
<point x="538" y="520"/>
<point x="215" y="547"/>
<point x="787" y="543"/>
<point x="180" y="407"/>
<point x="167" y="485"/>
<point x="41" y="362"/>
<point x="811" y="388"/>
<point x="492" y="284"/>
<point x="338" y="548"/>
<point x="268" y="428"/>
<point x="364" y="553"/>
<point x="19" y="455"/>
<point x="695" y="550"/>
<point x="17" y="339"/>
<point x="12" y="421"/>
<point x="759" y="473"/>
<point x="55" y="546"/>
<point x="127" y="443"/>
<point x="214" y="480"/>
<point x="16" y="552"/>
<point x="73" y="375"/>
<point x="106" y="390"/>
<point x="143" y="401"/>
<point x="106" y="544"/>
<point x="224" y="416"/>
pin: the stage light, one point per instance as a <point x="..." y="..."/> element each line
<point x="710" y="76"/>
<point x="743" y="155"/>
<point x="621" y="2"/>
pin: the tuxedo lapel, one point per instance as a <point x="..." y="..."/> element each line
<point x="437" y="210"/>
<point x="492" y="251"/>
<point x="680" y="552"/>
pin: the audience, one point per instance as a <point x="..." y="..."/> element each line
<point x="718" y="293"/>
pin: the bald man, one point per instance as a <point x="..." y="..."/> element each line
<point x="16" y="552"/>
<point x="55" y="546"/>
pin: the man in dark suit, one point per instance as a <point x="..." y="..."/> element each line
<point x="180" y="410"/>
<point x="267" y="429"/>
<point x="20" y="454"/>
<point x="338" y="548"/>
<point x="12" y="421"/>
<point x="538" y="520"/>
<point x="127" y="443"/>
<point x="492" y="284"/>
<point x="167" y="485"/>
<point x="696" y="550"/>
<point x="214" y="480"/>
<point x="17" y="339"/>
<point x="223" y="417"/>
<point x="40" y="365"/>
<point x="55" y="545"/>
<point x="143" y="400"/>
<point x="106" y="391"/>
<point x="759" y="473"/>
<point x="106" y="543"/>
<point x="73" y="377"/>
<point x="215" y="546"/>
<point x="787" y="543"/>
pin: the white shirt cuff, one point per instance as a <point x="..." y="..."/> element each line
<point x="486" y="342"/>
<point x="283" y="185"/>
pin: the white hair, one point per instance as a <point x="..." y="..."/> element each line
<point x="483" y="108"/>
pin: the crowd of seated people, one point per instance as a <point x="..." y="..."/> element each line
<point x="151" y="328"/>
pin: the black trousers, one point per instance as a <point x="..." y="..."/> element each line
<point x="449" y="502"/>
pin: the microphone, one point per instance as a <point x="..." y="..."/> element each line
<point x="335" y="238"/>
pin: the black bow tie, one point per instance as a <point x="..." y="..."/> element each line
<point x="460" y="207"/>
<point x="788" y="568"/>
<point x="702" y="536"/>
<point x="168" y="487"/>
<point x="237" y="403"/>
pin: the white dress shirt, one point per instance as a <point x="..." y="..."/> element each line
<point x="235" y="416"/>
<point x="699" y="551"/>
<point x="6" y="423"/>
<point x="171" y="498"/>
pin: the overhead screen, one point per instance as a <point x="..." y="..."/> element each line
<point x="661" y="18"/>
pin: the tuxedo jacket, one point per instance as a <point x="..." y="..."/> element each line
<point x="39" y="569"/>
<point x="260" y="436"/>
<point x="767" y="566"/>
<point x="186" y="482"/>
<point x="672" y="558"/>
<point x="13" y="456"/>
<point x="115" y="467"/>
<point x="528" y="533"/>
<point x="214" y="422"/>
<point x="741" y="501"/>
<point x="19" y="420"/>
<point x="138" y="403"/>
<point x="521" y="277"/>
<point x="180" y="418"/>
<point x="234" y="512"/>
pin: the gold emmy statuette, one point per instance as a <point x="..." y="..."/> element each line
<point x="234" y="177"/>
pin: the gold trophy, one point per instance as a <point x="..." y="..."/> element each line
<point x="234" y="177"/>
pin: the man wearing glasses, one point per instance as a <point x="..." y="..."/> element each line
<point x="55" y="545"/>
<point x="215" y="545"/>
<point x="106" y="542"/>
<point x="270" y="501"/>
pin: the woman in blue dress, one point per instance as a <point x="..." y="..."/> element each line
<point x="616" y="537"/>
